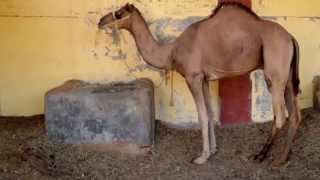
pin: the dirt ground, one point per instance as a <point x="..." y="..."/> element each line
<point x="25" y="153"/>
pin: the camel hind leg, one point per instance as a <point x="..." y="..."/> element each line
<point x="277" y="57"/>
<point x="278" y="103"/>
<point x="266" y="148"/>
<point x="294" y="121"/>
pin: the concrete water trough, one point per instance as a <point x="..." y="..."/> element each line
<point x="118" y="115"/>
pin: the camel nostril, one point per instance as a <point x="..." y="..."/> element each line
<point x="100" y="24"/>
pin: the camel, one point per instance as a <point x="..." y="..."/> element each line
<point x="232" y="41"/>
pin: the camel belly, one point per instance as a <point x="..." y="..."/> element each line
<point x="232" y="55"/>
<point x="215" y="74"/>
<point x="233" y="64"/>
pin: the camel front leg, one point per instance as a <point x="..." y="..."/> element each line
<point x="212" y="136"/>
<point x="195" y="84"/>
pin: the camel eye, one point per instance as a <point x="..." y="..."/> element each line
<point x="118" y="15"/>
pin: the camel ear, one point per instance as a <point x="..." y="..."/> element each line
<point x="130" y="7"/>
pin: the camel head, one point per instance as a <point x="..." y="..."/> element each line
<point x="118" y="19"/>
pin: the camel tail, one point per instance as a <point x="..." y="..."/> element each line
<point x="295" y="67"/>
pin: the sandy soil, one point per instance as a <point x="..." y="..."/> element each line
<point x="25" y="153"/>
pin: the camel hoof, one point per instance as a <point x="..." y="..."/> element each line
<point x="278" y="163"/>
<point x="213" y="152"/>
<point x="201" y="160"/>
<point x="259" y="158"/>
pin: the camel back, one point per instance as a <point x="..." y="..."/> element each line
<point x="237" y="4"/>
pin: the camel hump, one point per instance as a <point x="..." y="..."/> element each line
<point x="239" y="5"/>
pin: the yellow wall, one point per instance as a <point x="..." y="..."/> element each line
<point x="46" y="42"/>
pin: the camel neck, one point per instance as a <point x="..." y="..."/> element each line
<point x="152" y="52"/>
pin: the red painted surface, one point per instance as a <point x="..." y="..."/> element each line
<point x="235" y="94"/>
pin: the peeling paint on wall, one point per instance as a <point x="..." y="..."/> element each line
<point x="261" y="110"/>
<point x="167" y="29"/>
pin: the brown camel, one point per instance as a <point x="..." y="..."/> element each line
<point x="232" y="41"/>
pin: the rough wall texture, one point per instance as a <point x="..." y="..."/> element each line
<point x="46" y="42"/>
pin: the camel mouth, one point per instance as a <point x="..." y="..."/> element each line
<point x="102" y="25"/>
<point x="106" y="28"/>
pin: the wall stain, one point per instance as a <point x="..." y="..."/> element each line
<point x="120" y="55"/>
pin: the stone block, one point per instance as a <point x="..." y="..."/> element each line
<point x="97" y="114"/>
